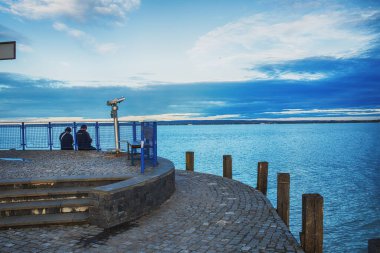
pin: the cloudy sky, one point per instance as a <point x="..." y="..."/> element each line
<point x="198" y="59"/>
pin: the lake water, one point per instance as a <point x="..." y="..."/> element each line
<point x="339" y="161"/>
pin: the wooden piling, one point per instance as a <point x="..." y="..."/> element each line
<point x="283" y="200"/>
<point x="312" y="223"/>
<point x="262" y="177"/>
<point x="374" y="245"/>
<point x="190" y="161"/>
<point x="227" y="166"/>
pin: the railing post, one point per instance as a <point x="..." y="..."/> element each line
<point x="142" y="162"/>
<point x="312" y="223"/>
<point x="23" y="144"/>
<point x="50" y="137"/>
<point x="75" y="136"/>
<point x="142" y="124"/>
<point x="154" y="143"/>
<point x="227" y="166"/>
<point x="190" y="161"/>
<point x="262" y="177"/>
<point x="134" y="130"/>
<point x="283" y="187"/>
<point x="374" y="245"/>
<point x="97" y="139"/>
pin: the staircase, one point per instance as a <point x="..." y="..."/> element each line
<point x="35" y="202"/>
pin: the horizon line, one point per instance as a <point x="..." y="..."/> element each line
<point x="36" y="120"/>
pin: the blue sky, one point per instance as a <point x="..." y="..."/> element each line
<point x="199" y="59"/>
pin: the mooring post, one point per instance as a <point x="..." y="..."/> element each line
<point x="190" y="161"/>
<point x="227" y="166"/>
<point x="262" y="177"/>
<point x="374" y="245"/>
<point x="312" y="223"/>
<point x="283" y="200"/>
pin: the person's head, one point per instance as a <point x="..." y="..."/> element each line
<point x="68" y="129"/>
<point x="83" y="127"/>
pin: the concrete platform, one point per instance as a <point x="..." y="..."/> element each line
<point x="206" y="213"/>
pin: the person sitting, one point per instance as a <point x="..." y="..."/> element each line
<point x="83" y="139"/>
<point x="66" y="139"/>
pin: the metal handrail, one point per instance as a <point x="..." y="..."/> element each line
<point x="44" y="136"/>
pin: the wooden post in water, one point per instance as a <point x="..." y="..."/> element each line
<point x="312" y="223"/>
<point x="283" y="200"/>
<point x="262" y="177"/>
<point x="190" y="161"/>
<point x="374" y="245"/>
<point x="227" y="166"/>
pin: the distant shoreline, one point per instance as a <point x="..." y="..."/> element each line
<point x="203" y="122"/>
<point x="251" y="122"/>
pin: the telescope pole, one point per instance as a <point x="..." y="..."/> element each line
<point x="114" y="108"/>
<point x="116" y="127"/>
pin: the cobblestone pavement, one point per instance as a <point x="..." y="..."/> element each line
<point x="64" y="163"/>
<point x="206" y="213"/>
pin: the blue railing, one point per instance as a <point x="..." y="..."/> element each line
<point x="45" y="136"/>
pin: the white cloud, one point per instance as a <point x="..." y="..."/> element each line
<point x="340" y="111"/>
<point x="237" y="49"/>
<point x="179" y="116"/>
<point x="4" y="86"/>
<point x="78" y="9"/>
<point x="155" y="117"/>
<point x="196" y="105"/>
<point x="106" y="48"/>
<point x="112" y="7"/>
<point x="24" y="48"/>
<point x="88" y="40"/>
<point x="301" y="76"/>
<point x="70" y="31"/>
<point x="130" y="82"/>
<point x="37" y="9"/>
<point x="213" y="103"/>
<point x="65" y="64"/>
<point x="353" y="118"/>
<point x="183" y="116"/>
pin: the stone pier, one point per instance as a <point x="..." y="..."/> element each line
<point x="206" y="213"/>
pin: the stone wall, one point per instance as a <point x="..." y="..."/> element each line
<point x="128" y="200"/>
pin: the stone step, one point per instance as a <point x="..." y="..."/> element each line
<point x="47" y="219"/>
<point x="17" y="195"/>
<point x="56" y="182"/>
<point x="44" y="207"/>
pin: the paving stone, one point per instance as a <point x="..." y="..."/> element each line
<point x="206" y="213"/>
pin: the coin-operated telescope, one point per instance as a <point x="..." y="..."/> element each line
<point x="113" y="103"/>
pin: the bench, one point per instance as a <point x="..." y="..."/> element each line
<point x="145" y="145"/>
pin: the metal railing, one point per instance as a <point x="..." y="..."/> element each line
<point x="45" y="136"/>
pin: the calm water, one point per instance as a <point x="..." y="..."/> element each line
<point x="339" y="161"/>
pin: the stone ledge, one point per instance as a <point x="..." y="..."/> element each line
<point x="128" y="200"/>
<point x="60" y="179"/>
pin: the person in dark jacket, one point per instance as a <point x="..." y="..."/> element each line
<point x="66" y="139"/>
<point x="83" y="139"/>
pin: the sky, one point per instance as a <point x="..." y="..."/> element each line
<point x="198" y="59"/>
